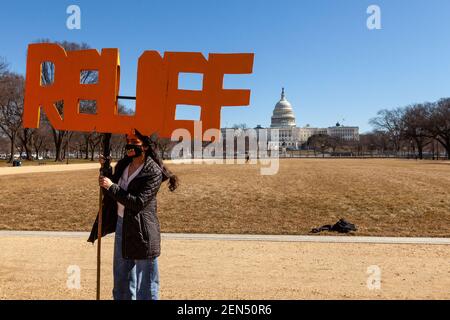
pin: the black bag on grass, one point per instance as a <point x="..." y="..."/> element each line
<point x="342" y="226"/>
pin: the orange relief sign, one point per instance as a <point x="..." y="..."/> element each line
<point x="157" y="92"/>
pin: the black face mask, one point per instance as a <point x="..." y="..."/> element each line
<point x="137" y="150"/>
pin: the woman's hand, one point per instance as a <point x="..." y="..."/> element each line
<point x="104" y="182"/>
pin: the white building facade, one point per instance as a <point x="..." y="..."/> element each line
<point x="283" y="121"/>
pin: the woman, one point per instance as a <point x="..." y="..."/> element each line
<point x="129" y="210"/>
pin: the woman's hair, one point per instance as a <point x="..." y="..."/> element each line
<point x="153" y="152"/>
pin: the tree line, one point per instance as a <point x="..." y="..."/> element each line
<point x="417" y="129"/>
<point x="420" y="127"/>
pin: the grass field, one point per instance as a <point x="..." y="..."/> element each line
<point x="382" y="197"/>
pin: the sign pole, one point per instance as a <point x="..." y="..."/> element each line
<point x="105" y="170"/>
<point x="99" y="242"/>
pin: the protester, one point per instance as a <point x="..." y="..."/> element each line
<point x="130" y="210"/>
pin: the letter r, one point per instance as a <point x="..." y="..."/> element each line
<point x="37" y="94"/>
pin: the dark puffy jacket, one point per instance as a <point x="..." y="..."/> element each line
<point x="141" y="237"/>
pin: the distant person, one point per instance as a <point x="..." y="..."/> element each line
<point x="129" y="210"/>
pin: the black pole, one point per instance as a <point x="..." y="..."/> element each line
<point x="105" y="171"/>
<point x="106" y="168"/>
<point x="126" y="97"/>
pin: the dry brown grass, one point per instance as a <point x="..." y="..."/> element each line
<point x="383" y="197"/>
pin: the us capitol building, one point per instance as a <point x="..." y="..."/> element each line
<point x="291" y="136"/>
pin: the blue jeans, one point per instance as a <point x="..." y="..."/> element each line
<point x="133" y="279"/>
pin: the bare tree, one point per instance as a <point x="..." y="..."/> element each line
<point x="378" y="141"/>
<point x="4" y="144"/>
<point x="391" y="122"/>
<point x="26" y="139"/>
<point x="118" y="145"/>
<point x="440" y="123"/>
<point x="77" y="143"/>
<point x="94" y="141"/>
<point x="11" y="107"/>
<point x="3" y="67"/>
<point x="321" y="142"/>
<point x="40" y="139"/>
<point x="164" y="146"/>
<point x="417" y="125"/>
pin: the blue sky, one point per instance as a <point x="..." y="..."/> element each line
<point x="321" y="51"/>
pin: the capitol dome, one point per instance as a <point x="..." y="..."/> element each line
<point x="283" y="115"/>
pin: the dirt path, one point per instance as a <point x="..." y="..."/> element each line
<point x="36" y="268"/>
<point x="52" y="168"/>
<point x="47" y="168"/>
<point x="247" y="237"/>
